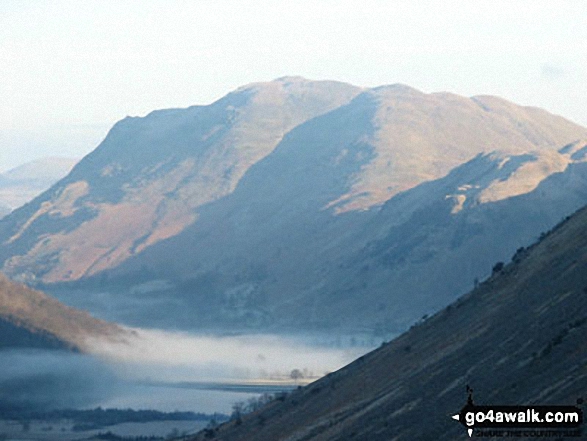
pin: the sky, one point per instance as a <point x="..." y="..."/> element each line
<point x="70" y="69"/>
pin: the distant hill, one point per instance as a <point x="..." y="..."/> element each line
<point x="517" y="339"/>
<point x="4" y="210"/>
<point x="31" y="319"/>
<point x="25" y="182"/>
<point x="298" y="204"/>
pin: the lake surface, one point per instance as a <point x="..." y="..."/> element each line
<point x="194" y="397"/>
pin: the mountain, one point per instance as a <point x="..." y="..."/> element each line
<point x="146" y="180"/>
<point x="271" y="255"/>
<point x="31" y="319"/>
<point x="517" y="339"/>
<point x="23" y="183"/>
<point x="297" y="204"/>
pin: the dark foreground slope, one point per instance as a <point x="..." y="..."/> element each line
<point x="31" y="319"/>
<point x="519" y="338"/>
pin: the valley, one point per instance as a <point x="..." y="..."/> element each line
<point x="239" y="250"/>
<point x="293" y="221"/>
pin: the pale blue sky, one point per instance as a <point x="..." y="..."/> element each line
<point x="71" y="69"/>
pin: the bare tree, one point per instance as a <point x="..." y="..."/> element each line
<point x="237" y="412"/>
<point x="296" y="375"/>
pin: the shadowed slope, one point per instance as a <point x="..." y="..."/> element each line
<point x="252" y="261"/>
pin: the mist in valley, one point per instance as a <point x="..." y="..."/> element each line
<point x="179" y="356"/>
<point x="166" y="371"/>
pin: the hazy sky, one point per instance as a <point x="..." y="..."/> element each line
<point x="70" y="69"/>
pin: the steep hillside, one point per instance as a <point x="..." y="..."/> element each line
<point x="430" y="245"/>
<point x="23" y="183"/>
<point x="146" y="180"/>
<point x="31" y="319"/>
<point x="253" y="262"/>
<point x="518" y="338"/>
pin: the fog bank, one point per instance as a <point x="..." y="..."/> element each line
<point x="178" y="356"/>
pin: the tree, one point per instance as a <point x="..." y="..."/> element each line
<point x="237" y="412"/>
<point x="296" y="375"/>
<point x="497" y="267"/>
